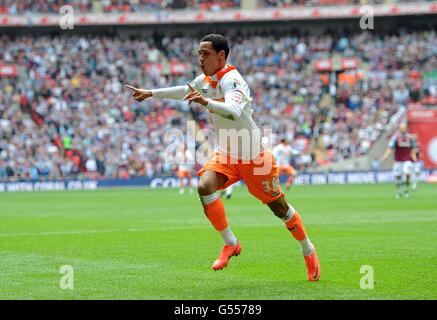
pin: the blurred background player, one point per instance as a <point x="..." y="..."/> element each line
<point x="185" y="167"/>
<point x="282" y="153"/>
<point x="227" y="192"/>
<point x="417" y="164"/>
<point x="403" y="145"/>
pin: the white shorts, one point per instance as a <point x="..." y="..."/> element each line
<point x="184" y="167"/>
<point x="402" y="168"/>
<point x="417" y="167"/>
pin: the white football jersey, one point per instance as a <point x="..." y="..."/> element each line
<point x="282" y="154"/>
<point x="230" y="104"/>
<point x="232" y="89"/>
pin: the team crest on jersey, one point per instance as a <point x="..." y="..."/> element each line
<point x="235" y="83"/>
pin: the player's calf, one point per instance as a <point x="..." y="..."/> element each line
<point x="214" y="210"/>
<point x="398" y="186"/>
<point x="407" y="186"/>
<point x="294" y="224"/>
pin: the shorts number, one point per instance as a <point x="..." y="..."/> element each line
<point x="274" y="187"/>
<point x="266" y="186"/>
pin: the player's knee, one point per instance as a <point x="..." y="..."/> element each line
<point x="206" y="188"/>
<point x="279" y="208"/>
<point x="282" y="210"/>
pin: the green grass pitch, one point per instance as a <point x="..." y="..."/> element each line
<point x="157" y="244"/>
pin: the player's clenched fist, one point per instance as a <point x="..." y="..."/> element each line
<point x="139" y="94"/>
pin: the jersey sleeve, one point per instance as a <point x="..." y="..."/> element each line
<point x="177" y="92"/>
<point x="233" y="105"/>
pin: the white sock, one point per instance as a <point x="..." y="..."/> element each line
<point x="305" y="244"/>
<point x="229" y="237"/>
<point x="229" y="190"/>
<point x="289" y="215"/>
<point x="414" y="184"/>
<point x="209" y="199"/>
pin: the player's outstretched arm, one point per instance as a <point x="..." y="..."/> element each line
<point x="139" y="94"/>
<point x="386" y="155"/>
<point x="176" y="93"/>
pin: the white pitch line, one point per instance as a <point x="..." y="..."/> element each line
<point x="76" y="232"/>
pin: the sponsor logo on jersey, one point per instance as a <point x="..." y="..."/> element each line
<point x="275" y="194"/>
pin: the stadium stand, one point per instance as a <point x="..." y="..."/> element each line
<point x="65" y="113"/>
<point x="84" y="6"/>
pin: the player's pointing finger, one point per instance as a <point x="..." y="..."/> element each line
<point x="130" y="87"/>
<point x="191" y="88"/>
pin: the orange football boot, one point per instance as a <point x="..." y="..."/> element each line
<point x="313" y="266"/>
<point x="226" y="253"/>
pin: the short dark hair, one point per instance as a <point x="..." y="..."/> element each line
<point x="219" y="43"/>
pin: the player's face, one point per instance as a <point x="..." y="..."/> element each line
<point x="209" y="59"/>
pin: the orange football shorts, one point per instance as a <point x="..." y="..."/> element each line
<point x="183" y="174"/>
<point x="288" y="170"/>
<point x="260" y="175"/>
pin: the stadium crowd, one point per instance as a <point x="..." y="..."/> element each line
<point x="66" y="113"/>
<point x="53" y="6"/>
